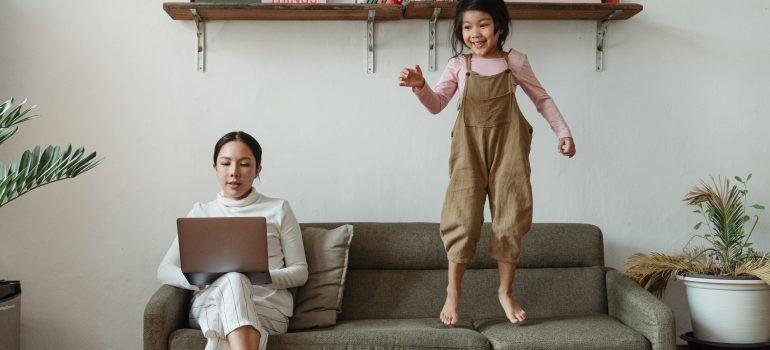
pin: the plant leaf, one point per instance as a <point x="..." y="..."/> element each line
<point x="697" y="226"/>
<point x="6" y="133"/>
<point x="757" y="206"/>
<point x="4" y="107"/>
<point x="36" y="168"/>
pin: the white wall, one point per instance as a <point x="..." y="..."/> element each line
<point x="684" y="96"/>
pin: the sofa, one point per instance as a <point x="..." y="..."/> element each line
<point x="396" y="285"/>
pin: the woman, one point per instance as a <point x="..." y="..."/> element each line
<point x="232" y="313"/>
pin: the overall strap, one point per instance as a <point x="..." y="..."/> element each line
<point x="507" y="64"/>
<point x="468" y="64"/>
<point x="467" y="74"/>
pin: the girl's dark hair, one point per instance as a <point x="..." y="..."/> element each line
<point x="249" y="140"/>
<point x="495" y="8"/>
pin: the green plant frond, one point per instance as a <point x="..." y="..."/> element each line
<point x="36" y="168"/>
<point x="6" y="133"/>
<point x="10" y="117"/>
<point x="5" y="105"/>
<point x="724" y="211"/>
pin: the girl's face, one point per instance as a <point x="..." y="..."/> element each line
<point x="479" y="33"/>
<point x="236" y="169"/>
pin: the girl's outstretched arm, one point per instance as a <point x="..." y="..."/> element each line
<point x="543" y="102"/>
<point x="545" y="105"/>
<point x="434" y="101"/>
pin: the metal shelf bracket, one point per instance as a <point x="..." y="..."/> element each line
<point x="601" y="32"/>
<point x="200" y="28"/>
<point x="432" y="40"/>
<point x="370" y="42"/>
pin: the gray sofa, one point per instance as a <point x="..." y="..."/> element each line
<point x="396" y="286"/>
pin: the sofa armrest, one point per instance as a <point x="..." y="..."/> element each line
<point x="637" y="308"/>
<point x="165" y="312"/>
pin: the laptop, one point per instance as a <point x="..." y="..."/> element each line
<point x="211" y="247"/>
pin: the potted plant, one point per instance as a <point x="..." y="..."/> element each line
<point x="727" y="281"/>
<point x="36" y="168"/>
<point x="32" y="170"/>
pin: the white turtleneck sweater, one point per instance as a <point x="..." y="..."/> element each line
<point x="286" y="254"/>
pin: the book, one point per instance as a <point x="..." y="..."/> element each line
<point x="293" y="1"/>
<point x="561" y="1"/>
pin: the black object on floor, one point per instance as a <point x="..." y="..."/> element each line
<point x="10" y="315"/>
<point x="697" y="344"/>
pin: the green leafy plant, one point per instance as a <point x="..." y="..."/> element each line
<point x="723" y="207"/>
<point x="36" y="168"/>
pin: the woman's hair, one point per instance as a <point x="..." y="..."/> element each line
<point x="249" y="140"/>
<point x="495" y="8"/>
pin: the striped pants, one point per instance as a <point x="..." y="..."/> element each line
<point x="226" y="305"/>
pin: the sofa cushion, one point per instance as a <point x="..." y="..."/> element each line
<point x="186" y="339"/>
<point x="361" y="335"/>
<point x="371" y="294"/>
<point x="414" y="246"/>
<point x="428" y="334"/>
<point x="594" y="332"/>
<point x="318" y="302"/>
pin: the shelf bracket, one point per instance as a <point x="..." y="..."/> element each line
<point x="370" y="42"/>
<point x="200" y="29"/>
<point x="432" y="40"/>
<point x="601" y="32"/>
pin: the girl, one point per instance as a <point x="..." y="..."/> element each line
<point x="491" y="140"/>
<point x="231" y="312"/>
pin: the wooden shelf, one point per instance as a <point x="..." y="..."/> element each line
<point x="413" y="10"/>
<point x="431" y="10"/>
<point x="530" y="10"/>
<point x="307" y="12"/>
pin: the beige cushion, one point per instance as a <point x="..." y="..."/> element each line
<point x="319" y="301"/>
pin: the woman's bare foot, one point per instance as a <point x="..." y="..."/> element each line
<point x="512" y="308"/>
<point x="450" y="314"/>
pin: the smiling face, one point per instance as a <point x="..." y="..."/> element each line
<point x="236" y="169"/>
<point x="479" y="34"/>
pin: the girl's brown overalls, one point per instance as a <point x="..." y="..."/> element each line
<point x="491" y="140"/>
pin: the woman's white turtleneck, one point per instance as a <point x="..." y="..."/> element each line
<point x="288" y="266"/>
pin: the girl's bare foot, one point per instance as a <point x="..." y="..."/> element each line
<point x="512" y="308"/>
<point x="450" y="314"/>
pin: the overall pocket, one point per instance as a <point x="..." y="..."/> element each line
<point x="488" y="112"/>
<point x="489" y="101"/>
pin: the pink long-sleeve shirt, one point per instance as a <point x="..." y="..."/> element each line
<point x="453" y="78"/>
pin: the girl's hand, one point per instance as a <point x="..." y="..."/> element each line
<point x="411" y="77"/>
<point x="566" y="146"/>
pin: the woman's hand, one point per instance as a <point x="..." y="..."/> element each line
<point x="411" y="77"/>
<point x="566" y="146"/>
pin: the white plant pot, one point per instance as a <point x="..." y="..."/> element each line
<point x="728" y="309"/>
